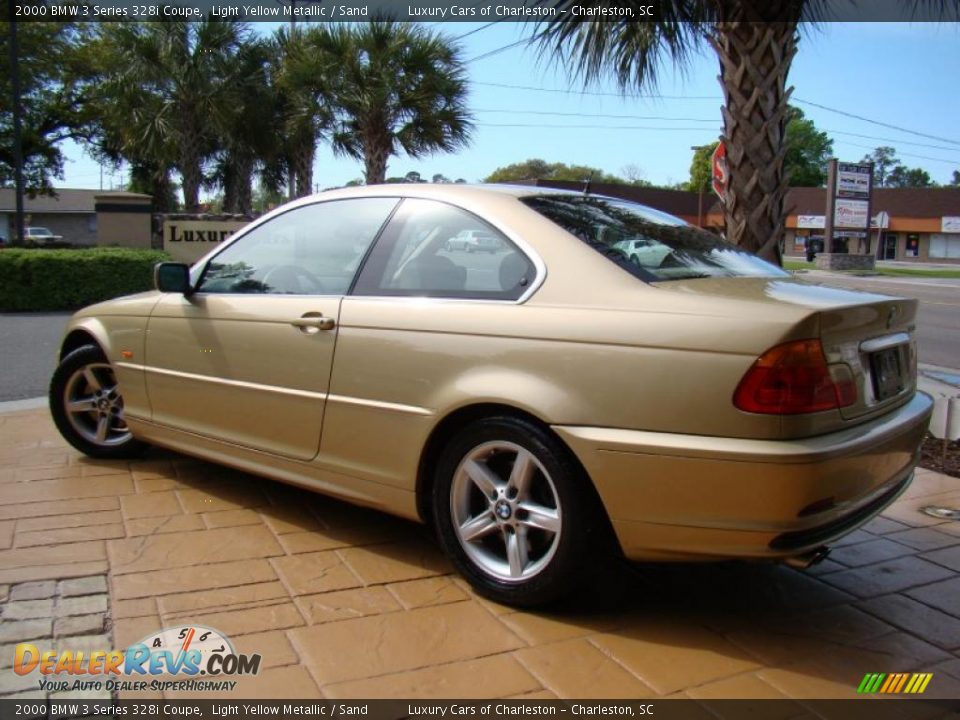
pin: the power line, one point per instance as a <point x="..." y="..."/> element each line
<point x="654" y="96"/>
<point x="598" y="115"/>
<point x="714" y="97"/>
<point x="590" y="127"/>
<point x="876" y="122"/>
<point x="665" y="118"/>
<point x="499" y="50"/>
<point x="476" y="30"/>
<point x="955" y="162"/>
<point x="671" y="129"/>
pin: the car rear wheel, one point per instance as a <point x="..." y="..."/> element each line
<point x="513" y="511"/>
<point x="87" y="406"/>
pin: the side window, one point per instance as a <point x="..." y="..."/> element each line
<point x="311" y="250"/>
<point x="431" y="249"/>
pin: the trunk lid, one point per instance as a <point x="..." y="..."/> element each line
<point x="868" y="335"/>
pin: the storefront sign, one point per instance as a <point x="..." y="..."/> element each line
<point x="950" y="224"/>
<point x="811" y="222"/>
<point x="851" y="213"/>
<point x="853" y="181"/>
<point x="189" y="240"/>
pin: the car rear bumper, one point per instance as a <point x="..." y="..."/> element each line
<point x="686" y="497"/>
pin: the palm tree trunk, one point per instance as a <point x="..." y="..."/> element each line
<point x="245" y="186"/>
<point x="375" y="158"/>
<point x="190" y="171"/>
<point x="303" y="167"/>
<point x="755" y="58"/>
<point x="231" y="181"/>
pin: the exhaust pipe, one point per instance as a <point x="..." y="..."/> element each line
<point x="802" y="562"/>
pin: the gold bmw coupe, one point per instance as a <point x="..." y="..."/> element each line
<point x="605" y="372"/>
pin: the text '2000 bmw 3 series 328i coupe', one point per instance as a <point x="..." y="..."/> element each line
<point x="606" y="372"/>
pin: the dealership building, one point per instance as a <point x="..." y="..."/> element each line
<point x="910" y="224"/>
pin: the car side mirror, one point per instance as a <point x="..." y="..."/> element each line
<point x="172" y="277"/>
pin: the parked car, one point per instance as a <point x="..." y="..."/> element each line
<point x="40" y="235"/>
<point x="644" y="252"/>
<point x="714" y="407"/>
<point x="474" y="241"/>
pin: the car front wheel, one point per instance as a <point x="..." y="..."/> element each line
<point x="87" y="406"/>
<point x="513" y="511"/>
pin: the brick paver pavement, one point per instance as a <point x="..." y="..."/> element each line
<point x="344" y="602"/>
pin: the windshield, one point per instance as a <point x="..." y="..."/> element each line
<point x="38" y="231"/>
<point x="648" y="243"/>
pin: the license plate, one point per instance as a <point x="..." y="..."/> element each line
<point x="887" y="373"/>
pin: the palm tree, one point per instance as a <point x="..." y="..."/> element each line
<point x="303" y="72"/>
<point x="755" y="42"/>
<point x="174" y="81"/>
<point x="246" y="127"/>
<point x="398" y="87"/>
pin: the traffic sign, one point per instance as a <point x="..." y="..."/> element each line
<point x="718" y="164"/>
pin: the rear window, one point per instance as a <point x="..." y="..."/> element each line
<point x="647" y="243"/>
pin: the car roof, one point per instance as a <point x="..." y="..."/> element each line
<point x="448" y="190"/>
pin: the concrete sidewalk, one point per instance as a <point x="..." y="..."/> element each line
<point x="342" y="602"/>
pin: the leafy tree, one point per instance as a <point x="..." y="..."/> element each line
<point x="701" y="167"/>
<point x="413" y="177"/>
<point x="904" y="177"/>
<point x="440" y="178"/>
<point x="535" y="168"/>
<point x="755" y="42"/>
<point x="400" y="87"/>
<point x="808" y="151"/>
<point x="54" y="86"/>
<point x="884" y="160"/>
<point x="888" y="171"/>
<point x="955" y="182"/>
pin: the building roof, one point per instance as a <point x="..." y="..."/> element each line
<point x="675" y="202"/>
<point x="67" y="200"/>
<point x="897" y="202"/>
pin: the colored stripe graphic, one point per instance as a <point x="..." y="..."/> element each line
<point x="889" y="684"/>
<point x="903" y="681"/>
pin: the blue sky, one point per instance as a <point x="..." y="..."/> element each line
<point x="900" y="74"/>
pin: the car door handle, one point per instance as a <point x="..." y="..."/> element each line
<point x="314" y="323"/>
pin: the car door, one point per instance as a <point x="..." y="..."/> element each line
<point x="420" y="313"/>
<point x="246" y="358"/>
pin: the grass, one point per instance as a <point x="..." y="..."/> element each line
<point x="888" y="271"/>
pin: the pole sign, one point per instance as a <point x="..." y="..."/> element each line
<point x="849" y="187"/>
<point x="853" y="180"/>
<point x="718" y="165"/>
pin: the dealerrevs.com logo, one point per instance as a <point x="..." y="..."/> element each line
<point x="189" y="658"/>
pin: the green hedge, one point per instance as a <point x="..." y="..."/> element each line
<point x="33" y="280"/>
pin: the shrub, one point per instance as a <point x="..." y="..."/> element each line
<point x="33" y="280"/>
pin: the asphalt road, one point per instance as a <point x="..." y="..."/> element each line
<point x="29" y="341"/>
<point x="28" y="352"/>
<point x="938" y="317"/>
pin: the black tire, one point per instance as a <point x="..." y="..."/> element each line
<point x="557" y="561"/>
<point x="80" y="428"/>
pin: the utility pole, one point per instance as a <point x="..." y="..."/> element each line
<point x="17" y="238"/>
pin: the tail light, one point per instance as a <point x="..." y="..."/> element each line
<point x="792" y="379"/>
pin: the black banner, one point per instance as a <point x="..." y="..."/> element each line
<point x="874" y="709"/>
<point x="433" y="10"/>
